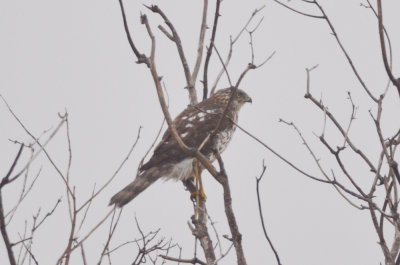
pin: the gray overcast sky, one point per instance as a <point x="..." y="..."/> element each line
<point x="57" y="55"/>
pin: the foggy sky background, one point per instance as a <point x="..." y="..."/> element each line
<point x="74" y="55"/>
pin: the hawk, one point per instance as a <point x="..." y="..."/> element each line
<point x="193" y="125"/>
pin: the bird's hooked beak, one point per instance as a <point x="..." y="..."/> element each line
<point x="248" y="99"/>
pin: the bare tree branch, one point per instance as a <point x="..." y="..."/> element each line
<point x="232" y="43"/>
<point x="222" y="178"/>
<point x="178" y="42"/>
<point x="141" y="57"/>
<point x="326" y="18"/>
<point x="4" y="233"/>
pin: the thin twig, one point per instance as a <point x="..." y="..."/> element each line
<point x="252" y="66"/>
<point x="24" y="191"/>
<point x="396" y="82"/>
<point x="280" y="156"/>
<point x="30" y="253"/>
<point x="86" y="210"/>
<point x="115" y="173"/>
<point x="113" y="226"/>
<point x="296" y="11"/>
<point x="258" y="180"/>
<point x="200" y="47"/>
<point x="63" y="118"/>
<point x="46" y="216"/>
<point x="232" y="43"/>
<point x="326" y="18"/>
<point x="216" y="233"/>
<point x="321" y="106"/>
<point x="389" y="45"/>
<point x="92" y="230"/>
<point x="224" y="68"/>
<point x="345" y="52"/>
<point x="83" y="255"/>
<point x="151" y="146"/>
<point x="338" y="186"/>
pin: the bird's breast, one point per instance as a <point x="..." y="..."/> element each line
<point x="223" y="138"/>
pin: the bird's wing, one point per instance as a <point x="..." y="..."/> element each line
<point x="193" y="125"/>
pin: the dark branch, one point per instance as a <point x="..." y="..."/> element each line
<point x="388" y="69"/>
<point x="141" y="57"/>
<point x="3" y="229"/>
<point x="210" y="49"/>
<point x="6" y="179"/>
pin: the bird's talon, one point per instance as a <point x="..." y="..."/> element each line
<point x="202" y="194"/>
<point x="194" y="194"/>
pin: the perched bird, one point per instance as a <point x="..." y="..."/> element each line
<point x="193" y="125"/>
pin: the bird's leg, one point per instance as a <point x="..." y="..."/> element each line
<point x="201" y="189"/>
<point x="199" y="183"/>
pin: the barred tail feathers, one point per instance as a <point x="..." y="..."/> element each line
<point x="130" y="192"/>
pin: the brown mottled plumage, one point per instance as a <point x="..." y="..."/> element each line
<point x="193" y="125"/>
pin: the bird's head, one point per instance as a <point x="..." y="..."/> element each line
<point x="241" y="97"/>
<point x="223" y="96"/>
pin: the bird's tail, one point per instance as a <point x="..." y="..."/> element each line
<point x="141" y="182"/>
